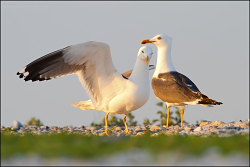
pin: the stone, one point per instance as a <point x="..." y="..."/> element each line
<point x="244" y="126"/>
<point x="138" y="130"/>
<point x="155" y="134"/>
<point x="118" y="128"/>
<point x="182" y="133"/>
<point x="198" y="129"/>
<point x="17" y="125"/>
<point x="140" y="133"/>
<point x="217" y="123"/>
<point x="90" y="128"/>
<point x="102" y="134"/>
<point x="156" y="128"/>
<point x="243" y="131"/>
<point x="21" y="130"/>
<point x="143" y="128"/>
<point x="187" y="129"/>
<point x="176" y="127"/>
<point x="204" y="122"/>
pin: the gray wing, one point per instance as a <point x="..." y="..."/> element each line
<point x="172" y="87"/>
<point x="188" y="83"/>
<point x="49" y="66"/>
<point x="91" y="61"/>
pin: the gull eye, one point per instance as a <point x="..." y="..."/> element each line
<point x="151" y="53"/>
<point x="142" y="51"/>
<point x="159" y="38"/>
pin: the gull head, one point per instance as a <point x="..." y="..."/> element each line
<point x="160" y="40"/>
<point x="145" y="53"/>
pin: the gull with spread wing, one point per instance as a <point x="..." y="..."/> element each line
<point x="109" y="90"/>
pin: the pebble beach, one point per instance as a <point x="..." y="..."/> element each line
<point x="205" y="128"/>
<point x="139" y="157"/>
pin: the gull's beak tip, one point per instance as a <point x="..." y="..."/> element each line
<point x="146" y="41"/>
<point x="146" y="59"/>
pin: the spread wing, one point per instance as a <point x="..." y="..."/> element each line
<point x="91" y="61"/>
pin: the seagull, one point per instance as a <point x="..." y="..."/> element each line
<point x="109" y="90"/>
<point x="87" y="105"/>
<point x="172" y="87"/>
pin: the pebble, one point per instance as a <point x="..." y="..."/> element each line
<point x="138" y="129"/>
<point x="118" y="128"/>
<point x="204" y="129"/>
<point x="156" y="128"/>
<point x="198" y="129"/>
<point x="17" y="125"/>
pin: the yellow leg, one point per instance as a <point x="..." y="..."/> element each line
<point x="124" y="121"/>
<point x="168" y="113"/>
<point x="106" y="125"/>
<point x="182" y="112"/>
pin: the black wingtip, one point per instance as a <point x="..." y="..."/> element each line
<point x="21" y="76"/>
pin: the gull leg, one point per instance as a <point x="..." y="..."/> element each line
<point x="106" y="125"/>
<point x="124" y="121"/>
<point x="182" y="113"/>
<point x="168" y="113"/>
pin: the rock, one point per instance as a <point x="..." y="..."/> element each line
<point x="138" y="130"/>
<point x="243" y="131"/>
<point x="53" y="128"/>
<point x="176" y="127"/>
<point x="155" y="134"/>
<point x="140" y="133"/>
<point x="90" y="128"/>
<point x="156" y="128"/>
<point x="198" y="129"/>
<point x="217" y="123"/>
<point x="21" y="130"/>
<point x="102" y="134"/>
<point x="187" y="129"/>
<point x="143" y="128"/>
<point x="244" y="126"/>
<point x="182" y="133"/>
<point x="230" y="127"/>
<point x="118" y="128"/>
<point x="17" y="125"/>
<point x="204" y="122"/>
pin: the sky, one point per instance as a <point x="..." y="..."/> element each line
<point x="210" y="46"/>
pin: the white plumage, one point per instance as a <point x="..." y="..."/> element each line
<point x="108" y="89"/>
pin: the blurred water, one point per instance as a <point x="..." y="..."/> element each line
<point x="135" y="158"/>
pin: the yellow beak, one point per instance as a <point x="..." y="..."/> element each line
<point x="146" y="59"/>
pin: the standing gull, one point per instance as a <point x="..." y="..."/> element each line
<point x="172" y="87"/>
<point x="108" y="90"/>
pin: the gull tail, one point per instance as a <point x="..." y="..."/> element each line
<point x="84" y="105"/>
<point x="208" y="102"/>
